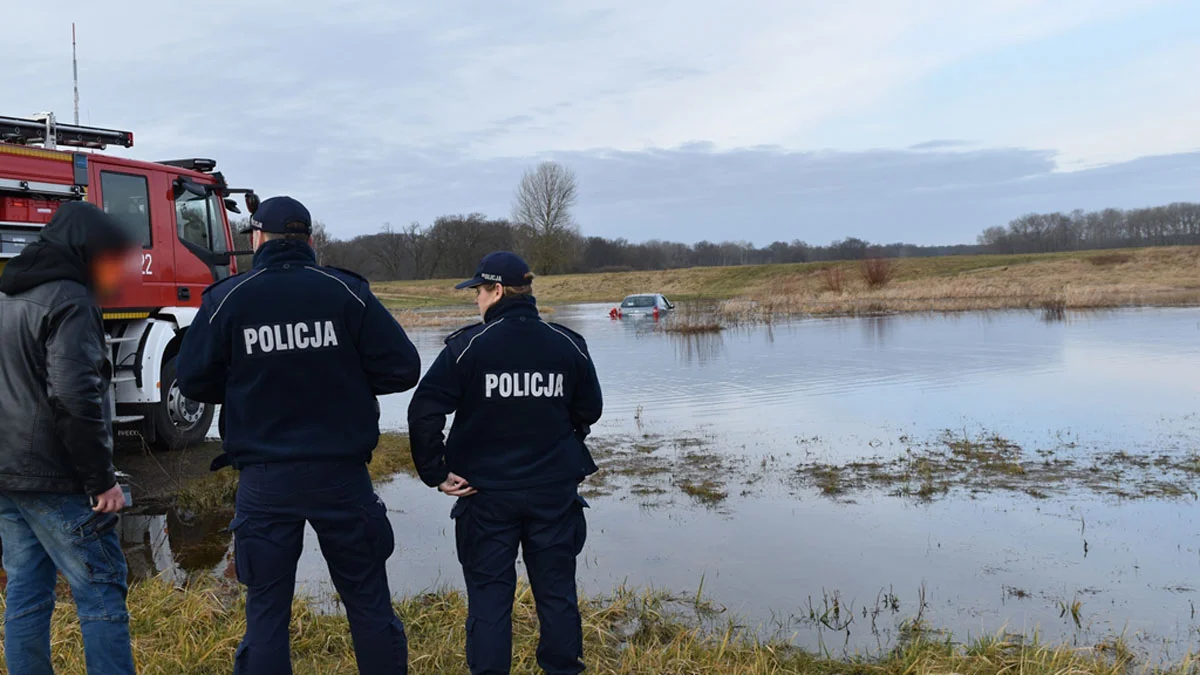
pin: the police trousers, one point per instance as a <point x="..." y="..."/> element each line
<point x="337" y="498"/>
<point x="549" y="526"/>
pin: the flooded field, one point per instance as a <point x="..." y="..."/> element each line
<point x="849" y="481"/>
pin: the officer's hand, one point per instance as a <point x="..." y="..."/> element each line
<point x="110" y="501"/>
<point x="456" y="486"/>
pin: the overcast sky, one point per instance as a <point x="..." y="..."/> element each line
<point x="914" y="120"/>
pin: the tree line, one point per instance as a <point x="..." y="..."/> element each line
<point x="1171" y="225"/>
<point x="543" y="230"/>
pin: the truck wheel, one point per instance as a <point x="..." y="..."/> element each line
<point x="179" y="422"/>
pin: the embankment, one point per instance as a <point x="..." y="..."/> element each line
<point x="1077" y="280"/>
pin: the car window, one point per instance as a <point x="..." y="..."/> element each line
<point x="638" y="301"/>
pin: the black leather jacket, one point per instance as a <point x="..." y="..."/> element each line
<point x="55" y="420"/>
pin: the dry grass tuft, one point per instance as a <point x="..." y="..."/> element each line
<point x="835" y="279"/>
<point x="877" y="272"/>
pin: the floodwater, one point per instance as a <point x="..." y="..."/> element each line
<point x="780" y="555"/>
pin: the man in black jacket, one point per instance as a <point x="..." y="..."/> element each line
<point x="297" y="353"/>
<point x="524" y="394"/>
<point x="58" y="490"/>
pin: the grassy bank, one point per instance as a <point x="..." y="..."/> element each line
<point x="194" y="631"/>
<point x="1077" y="280"/>
<point x="217" y="490"/>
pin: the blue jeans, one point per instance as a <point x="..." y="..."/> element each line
<point x="43" y="533"/>
<point x="337" y="499"/>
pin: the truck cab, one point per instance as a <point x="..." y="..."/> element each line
<point x="178" y="209"/>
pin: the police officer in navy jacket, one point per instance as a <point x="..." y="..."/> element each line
<point x="297" y="353"/>
<point x="524" y="394"/>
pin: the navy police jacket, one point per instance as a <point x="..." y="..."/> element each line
<point x="524" y="394"/>
<point x="297" y="354"/>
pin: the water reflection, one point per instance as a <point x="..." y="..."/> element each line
<point x="697" y="348"/>
<point x="876" y="330"/>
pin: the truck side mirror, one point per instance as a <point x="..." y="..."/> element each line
<point x="182" y="185"/>
<point x="232" y="206"/>
<point x="251" y="202"/>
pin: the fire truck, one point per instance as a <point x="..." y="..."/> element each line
<point x="177" y="208"/>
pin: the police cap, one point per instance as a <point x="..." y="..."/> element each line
<point x="281" y="215"/>
<point x="500" y="267"/>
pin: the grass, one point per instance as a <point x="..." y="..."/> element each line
<point x="217" y="490"/>
<point x="435" y="319"/>
<point x="1076" y="280"/>
<point x="195" y="630"/>
<point x="647" y="466"/>
<point x="991" y="463"/>
<point x="707" y="492"/>
<point x="691" y="320"/>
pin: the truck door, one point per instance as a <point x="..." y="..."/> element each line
<point x="201" y="239"/>
<point x="125" y="193"/>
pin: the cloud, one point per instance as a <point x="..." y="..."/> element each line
<point x="684" y="119"/>
<point x="696" y="192"/>
<point x="939" y="144"/>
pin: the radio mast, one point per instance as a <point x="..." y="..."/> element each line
<point x="75" y="72"/>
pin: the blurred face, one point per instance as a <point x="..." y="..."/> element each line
<point x="114" y="270"/>
<point x="486" y="296"/>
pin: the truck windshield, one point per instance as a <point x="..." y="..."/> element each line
<point x="200" y="223"/>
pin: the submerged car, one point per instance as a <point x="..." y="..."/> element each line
<point x="644" y="304"/>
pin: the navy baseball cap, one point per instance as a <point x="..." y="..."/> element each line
<point x="500" y="267"/>
<point x="280" y="215"/>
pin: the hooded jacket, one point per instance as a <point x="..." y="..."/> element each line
<point x="55" y="409"/>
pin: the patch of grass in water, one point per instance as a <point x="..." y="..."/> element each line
<point x="643" y="490"/>
<point x="993" y="463"/>
<point x="1014" y="592"/>
<point x="828" y="479"/>
<point x="651" y="465"/>
<point x="706" y="492"/>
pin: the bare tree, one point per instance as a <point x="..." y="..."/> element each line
<point x="320" y="241"/>
<point x="416" y="245"/>
<point x="388" y="249"/>
<point x="542" y="209"/>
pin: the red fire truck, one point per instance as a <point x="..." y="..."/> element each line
<point x="178" y="210"/>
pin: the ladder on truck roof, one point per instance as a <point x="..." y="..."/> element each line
<point x="44" y="129"/>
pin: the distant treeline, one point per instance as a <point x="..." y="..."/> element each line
<point x="1171" y="225"/>
<point x="452" y="245"/>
